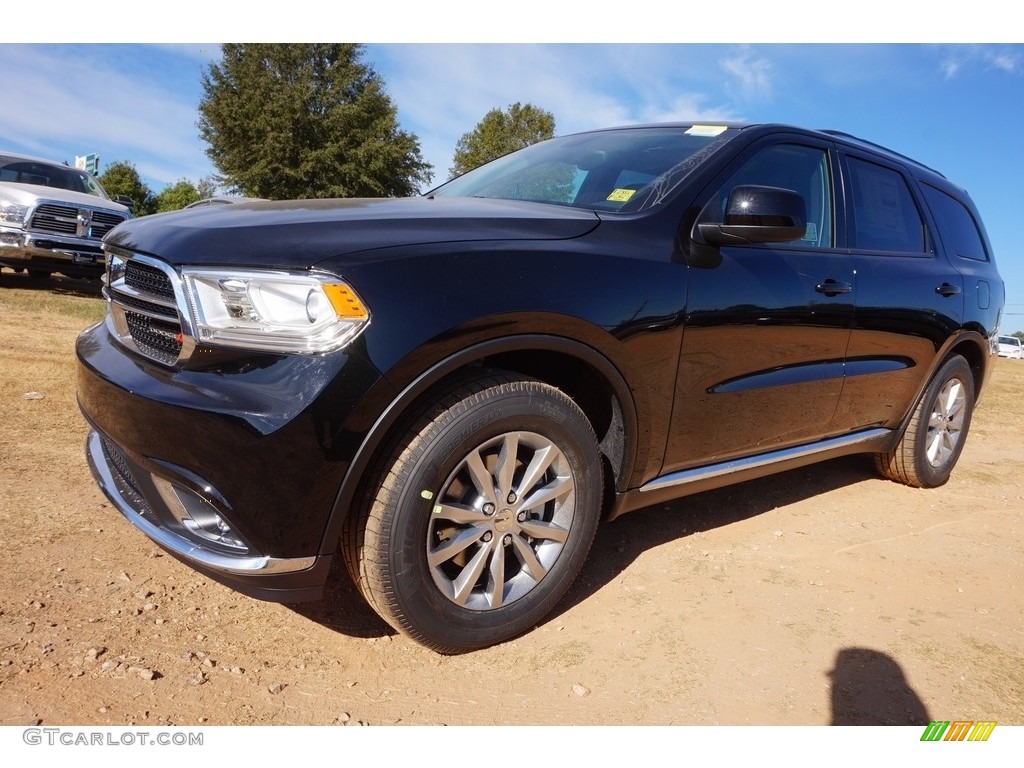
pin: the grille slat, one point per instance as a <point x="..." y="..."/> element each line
<point x="158" y="339"/>
<point x="148" y="279"/>
<point x="145" y="313"/>
<point x="53" y="219"/>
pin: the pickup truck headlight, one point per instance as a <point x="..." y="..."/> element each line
<point x="12" y="212"/>
<point x="273" y="311"/>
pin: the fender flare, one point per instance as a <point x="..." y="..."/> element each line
<point x="382" y="427"/>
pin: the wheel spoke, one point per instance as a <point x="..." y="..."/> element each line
<point x="538" y="529"/>
<point x="528" y="558"/>
<point x="496" y="580"/>
<point x="557" y="487"/>
<point x="452" y="547"/>
<point x="505" y="467"/>
<point x="459" y="513"/>
<point x="539" y="464"/>
<point x="482" y="479"/>
<point x="468" y="577"/>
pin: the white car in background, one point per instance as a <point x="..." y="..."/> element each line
<point x="1010" y="346"/>
<point x="53" y="217"/>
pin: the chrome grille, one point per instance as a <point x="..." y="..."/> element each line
<point x="73" y="221"/>
<point x="55" y="220"/>
<point x="157" y="339"/>
<point x="103" y="222"/>
<point x="148" y="280"/>
<point x="143" y="308"/>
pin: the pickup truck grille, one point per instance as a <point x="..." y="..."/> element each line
<point x="144" y="310"/>
<point x="73" y="221"/>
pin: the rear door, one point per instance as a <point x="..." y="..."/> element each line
<point x="909" y="297"/>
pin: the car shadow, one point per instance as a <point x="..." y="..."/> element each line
<point x="343" y="609"/>
<point x="56" y="284"/>
<point x="621" y="541"/>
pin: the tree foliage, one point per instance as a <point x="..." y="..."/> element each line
<point x="121" y="178"/>
<point x="501" y="132"/>
<point x="176" y="196"/>
<point x="293" y="121"/>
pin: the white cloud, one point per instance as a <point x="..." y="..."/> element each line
<point x="443" y="90"/>
<point x="962" y="58"/>
<point x="750" y="76"/>
<point x="69" y="102"/>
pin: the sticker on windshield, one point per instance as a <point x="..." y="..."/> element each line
<point x="620" y="195"/>
<point x="706" y="130"/>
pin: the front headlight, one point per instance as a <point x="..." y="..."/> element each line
<point x="12" y="212"/>
<point x="273" y="311"/>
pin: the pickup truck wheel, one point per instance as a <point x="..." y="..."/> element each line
<point x="482" y="519"/>
<point x="929" y="448"/>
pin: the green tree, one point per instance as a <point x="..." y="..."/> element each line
<point x="501" y="132"/>
<point x="121" y="178"/>
<point x="176" y="196"/>
<point x="207" y="187"/>
<point x="1019" y="335"/>
<point x="296" y="121"/>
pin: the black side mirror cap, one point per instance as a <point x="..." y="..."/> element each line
<point x="755" y="214"/>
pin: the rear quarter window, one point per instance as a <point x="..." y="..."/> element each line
<point x="959" y="230"/>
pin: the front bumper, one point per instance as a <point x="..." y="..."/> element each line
<point x="233" y="469"/>
<point x="72" y="256"/>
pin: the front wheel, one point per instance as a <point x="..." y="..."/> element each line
<point x="929" y="448"/>
<point x="482" y="518"/>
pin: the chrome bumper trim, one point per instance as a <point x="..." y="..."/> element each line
<point x="120" y="495"/>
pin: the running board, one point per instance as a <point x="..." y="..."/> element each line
<point x="711" y="476"/>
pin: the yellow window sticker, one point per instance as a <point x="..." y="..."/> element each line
<point x="706" y="130"/>
<point x="620" y="195"/>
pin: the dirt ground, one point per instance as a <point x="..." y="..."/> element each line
<point x="822" y="595"/>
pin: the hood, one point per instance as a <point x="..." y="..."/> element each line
<point x="28" y="194"/>
<point x="301" y="233"/>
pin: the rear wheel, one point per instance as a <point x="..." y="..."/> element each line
<point x="481" y="519"/>
<point x="931" y="445"/>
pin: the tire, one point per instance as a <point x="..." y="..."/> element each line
<point x="930" y="446"/>
<point x="478" y="523"/>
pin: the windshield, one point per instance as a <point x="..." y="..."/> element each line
<point x="1013" y="341"/>
<point x="23" y="171"/>
<point x="625" y="169"/>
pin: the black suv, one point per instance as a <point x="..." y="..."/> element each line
<point x="453" y="390"/>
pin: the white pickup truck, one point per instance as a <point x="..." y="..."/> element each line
<point x="53" y="217"/>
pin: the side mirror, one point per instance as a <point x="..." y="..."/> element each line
<point x="756" y="214"/>
<point x="124" y="200"/>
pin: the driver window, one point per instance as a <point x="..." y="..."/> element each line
<point x="804" y="170"/>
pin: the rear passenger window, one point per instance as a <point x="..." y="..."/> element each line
<point x="957" y="226"/>
<point x="884" y="213"/>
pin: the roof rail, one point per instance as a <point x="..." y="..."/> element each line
<point x="858" y="139"/>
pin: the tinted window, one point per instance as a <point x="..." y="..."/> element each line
<point x="26" y="171"/>
<point x="884" y="213"/>
<point x="802" y="169"/>
<point x="956" y="225"/>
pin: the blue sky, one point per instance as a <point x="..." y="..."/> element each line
<point x="956" y="107"/>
